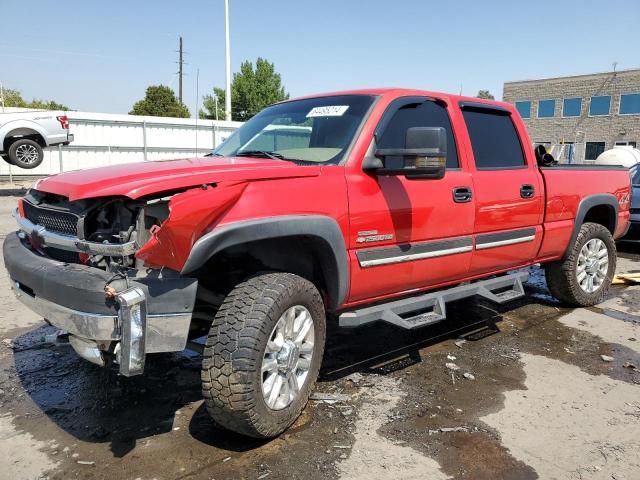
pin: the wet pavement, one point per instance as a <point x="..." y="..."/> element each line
<point x="526" y="394"/>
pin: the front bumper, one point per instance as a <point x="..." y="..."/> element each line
<point x="633" y="234"/>
<point x="72" y="297"/>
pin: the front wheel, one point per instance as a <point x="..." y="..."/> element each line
<point x="263" y="354"/>
<point x="25" y="153"/>
<point x="583" y="278"/>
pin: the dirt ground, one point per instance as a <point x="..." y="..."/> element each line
<point x="531" y="398"/>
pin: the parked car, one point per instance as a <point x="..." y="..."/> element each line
<point x="628" y="157"/>
<point x="634" y="230"/>
<point x="23" y="135"/>
<point x="396" y="202"/>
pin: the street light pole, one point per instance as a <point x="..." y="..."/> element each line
<point x="227" y="100"/>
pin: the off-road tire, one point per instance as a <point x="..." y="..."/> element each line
<point x="17" y="160"/>
<point x="562" y="278"/>
<point x="232" y="359"/>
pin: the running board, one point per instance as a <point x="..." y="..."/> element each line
<point x="430" y="308"/>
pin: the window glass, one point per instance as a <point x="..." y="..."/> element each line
<point x="312" y="130"/>
<point x="425" y="113"/>
<point x="572" y="107"/>
<point x="593" y="149"/>
<point x="494" y="139"/>
<point x="630" y="103"/>
<point x="625" y="143"/>
<point x="524" y="108"/>
<point x="600" y="105"/>
<point x="281" y="137"/>
<point x="635" y="175"/>
<point x="546" y="108"/>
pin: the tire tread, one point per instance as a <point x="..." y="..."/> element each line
<point x="233" y="352"/>
<point x="560" y="275"/>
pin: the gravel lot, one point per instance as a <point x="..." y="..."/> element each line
<point x="532" y="398"/>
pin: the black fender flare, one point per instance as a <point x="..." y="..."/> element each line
<point x="319" y="227"/>
<point x="587" y="204"/>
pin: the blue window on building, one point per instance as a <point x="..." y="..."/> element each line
<point x="630" y="104"/>
<point x="524" y="108"/>
<point x="546" y="108"/>
<point x="572" y="107"/>
<point x="600" y="105"/>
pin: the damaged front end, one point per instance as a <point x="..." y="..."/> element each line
<point x="75" y="264"/>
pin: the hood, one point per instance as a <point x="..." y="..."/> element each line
<point x="135" y="180"/>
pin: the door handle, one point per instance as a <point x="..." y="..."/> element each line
<point x="462" y="195"/>
<point x="527" y="191"/>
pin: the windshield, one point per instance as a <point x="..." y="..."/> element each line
<point x="635" y="175"/>
<point x="314" y="130"/>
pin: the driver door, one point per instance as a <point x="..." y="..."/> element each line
<point x="408" y="235"/>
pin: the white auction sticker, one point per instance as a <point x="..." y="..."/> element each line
<point x="328" y="111"/>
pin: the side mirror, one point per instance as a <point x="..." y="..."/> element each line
<point x="424" y="155"/>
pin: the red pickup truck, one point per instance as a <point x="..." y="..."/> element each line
<point x="362" y="206"/>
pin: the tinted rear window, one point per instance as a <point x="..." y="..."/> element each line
<point x="494" y="140"/>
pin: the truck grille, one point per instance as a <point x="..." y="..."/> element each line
<point x="53" y="220"/>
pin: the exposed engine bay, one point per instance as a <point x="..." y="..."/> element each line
<point x="108" y="221"/>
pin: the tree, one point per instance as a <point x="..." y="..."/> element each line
<point x="160" y="101"/>
<point x="13" y="98"/>
<point x="251" y="91"/>
<point x="211" y="102"/>
<point x="486" y="94"/>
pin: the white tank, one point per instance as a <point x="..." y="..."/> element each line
<point x="620" y="155"/>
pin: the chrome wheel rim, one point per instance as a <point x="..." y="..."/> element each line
<point x="593" y="265"/>
<point x="27" y="153"/>
<point x="287" y="357"/>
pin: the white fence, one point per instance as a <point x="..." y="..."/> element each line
<point x="104" y="139"/>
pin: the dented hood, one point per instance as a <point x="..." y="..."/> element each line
<point x="139" y="179"/>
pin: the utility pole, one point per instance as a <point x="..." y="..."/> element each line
<point x="2" y="96"/>
<point x="180" y="62"/>
<point x="227" y="62"/>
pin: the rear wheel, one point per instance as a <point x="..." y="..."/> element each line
<point x="263" y="354"/>
<point x="25" y="153"/>
<point x="584" y="276"/>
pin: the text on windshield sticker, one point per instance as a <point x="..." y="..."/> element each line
<point x="328" y="111"/>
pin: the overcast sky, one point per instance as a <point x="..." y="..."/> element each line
<point x="100" y="56"/>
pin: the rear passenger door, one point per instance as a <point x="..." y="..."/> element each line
<point x="508" y="190"/>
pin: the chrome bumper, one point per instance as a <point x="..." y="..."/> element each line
<point x="150" y="333"/>
<point x="151" y="311"/>
<point x="72" y="244"/>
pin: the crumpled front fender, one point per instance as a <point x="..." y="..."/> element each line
<point x="191" y="214"/>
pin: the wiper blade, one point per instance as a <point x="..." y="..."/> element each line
<point x="213" y="154"/>
<point x="260" y="153"/>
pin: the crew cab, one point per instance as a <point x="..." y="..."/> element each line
<point x="357" y="207"/>
<point x="23" y="135"/>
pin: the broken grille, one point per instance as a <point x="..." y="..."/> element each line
<point x="54" y="221"/>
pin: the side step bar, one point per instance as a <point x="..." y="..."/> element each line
<point x="427" y="309"/>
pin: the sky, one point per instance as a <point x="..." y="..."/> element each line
<point x="100" y="56"/>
